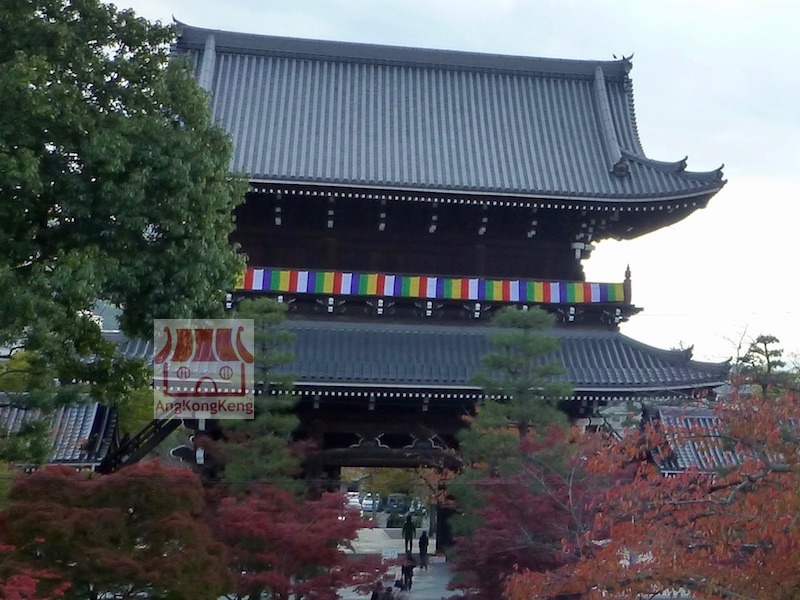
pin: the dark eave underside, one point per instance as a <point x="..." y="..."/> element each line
<point x="378" y="117"/>
<point x="353" y="354"/>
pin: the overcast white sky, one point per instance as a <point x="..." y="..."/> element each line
<point x="719" y="81"/>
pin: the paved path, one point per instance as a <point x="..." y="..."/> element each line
<point x="427" y="585"/>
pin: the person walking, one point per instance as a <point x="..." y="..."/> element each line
<point x="423" y="551"/>
<point x="377" y="591"/>
<point x="409" y="531"/>
<point x="387" y="594"/>
<point x="407" y="571"/>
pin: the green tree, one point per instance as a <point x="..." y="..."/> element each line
<point x="14" y="372"/>
<point x="522" y="382"/>
<point x="114" y="186"/>
<point x="261" y="449"/>
<point x="763" y="362"/>
<point x="521" y="376"/>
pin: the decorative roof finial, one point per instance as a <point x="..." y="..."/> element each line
<point x="626" y="286"/>
<point x="628" y="61"/>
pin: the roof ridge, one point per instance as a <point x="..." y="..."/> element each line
<point x="363" y="52"/>
<point x="631" y="108"/>
<point x="618" y="166"/>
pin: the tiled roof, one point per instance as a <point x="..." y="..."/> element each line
<point x="81" y="434"/>
<point x="423" y="355"/>
<point x="360" y="115"/>
<point x="693" y="437"/>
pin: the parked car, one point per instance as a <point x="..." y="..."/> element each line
<point x="353" y="500"/>
<point x="397" y="503"/>
<point x="417" y="508"/>
<point x="371" y="502"/>
<point x="352" y="503"/>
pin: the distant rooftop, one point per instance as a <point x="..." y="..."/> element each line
<point x="81" y="434"/>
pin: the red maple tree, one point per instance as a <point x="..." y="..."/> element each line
<point x="20" y="582"/>
<point x="133" y="533"/>
<point x="533" y="518"/>
<point x="716" y="533"/>
<point x="280" y="547"/>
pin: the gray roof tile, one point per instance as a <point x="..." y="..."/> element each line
<point x="424" y="355"/>
<point x="693" y="438"/>
<point x="80" y="434"/>
<point x="335" y="113"/>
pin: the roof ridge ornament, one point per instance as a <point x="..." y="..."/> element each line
<point x="627" y="288"/>
<point x="627" y="62"/>
<point x="619" y="166"/>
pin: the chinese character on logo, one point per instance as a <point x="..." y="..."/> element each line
<point x="203" y="369"/>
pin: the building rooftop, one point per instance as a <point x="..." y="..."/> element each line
<point x="418" y="120"/>
<point x="81" y="434"/>
<point x="349" y="353"/>
<point x="695" y="440"/>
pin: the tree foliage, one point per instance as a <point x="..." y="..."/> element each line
<point x="533" y="517"/>
<point x="20" y="582"/>
<point x="523" y="382"/>
<point x="139" y="532"/>
<point x="150" y="531"/>
<point x="763" y="364"/>
<point x="280" y="548"/>
<point x="15" y="372"/>
<point x="261" y="449"/>
<point x="718" y="533"/>
<point x="522" y="372"/>
<point x="114" y="186"/>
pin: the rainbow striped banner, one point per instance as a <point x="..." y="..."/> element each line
<point x="338" y="283"/>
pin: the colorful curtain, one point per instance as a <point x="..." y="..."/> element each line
<point x="338" y="283"/>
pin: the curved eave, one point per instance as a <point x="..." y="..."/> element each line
<point x="435" y="193"/>
<point x="410" y="385"/>
<point x="650" y="390"/>
<point x="471" y="390"/>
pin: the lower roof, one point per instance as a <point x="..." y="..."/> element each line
<point x="80" y="433"/>
<point x="422" y="355"/>
<point x="694" y="438"/>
